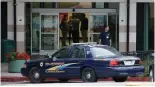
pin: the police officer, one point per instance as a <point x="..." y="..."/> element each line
<point x="84" y="27"/>
<point x="64" y="29"/>
<point x="75" y="31"/>
<point x="105" y="37"/>
<point x="70" y="26"/>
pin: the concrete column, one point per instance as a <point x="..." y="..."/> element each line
<point x="10" y="20"/>
<point x="20" y="26"/>
<point x="132" y="26"/>
<point x="122" y="26"/>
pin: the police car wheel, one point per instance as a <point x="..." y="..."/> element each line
<point x="120" y="79"/>
<point x="63" y="79"/>
<point x="88" y="75"/>
<point x="151" y="76"/>
<point x="34" y="75"/>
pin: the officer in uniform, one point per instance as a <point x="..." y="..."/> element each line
<point x="105" y="37"/>
<point x="64" y="29"/>
<point x="75" y="29"/>
<point x="70" y="26"/>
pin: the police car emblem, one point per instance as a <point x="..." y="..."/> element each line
<point x="41" y="64"/>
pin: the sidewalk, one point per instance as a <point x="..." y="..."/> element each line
<point x="10" y="77"/>
<point x="16" y="77"/>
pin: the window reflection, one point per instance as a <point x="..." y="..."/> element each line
<point x="35" y="32"/>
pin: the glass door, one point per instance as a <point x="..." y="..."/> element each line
<point x="96" y="25"/>
<point x="35" y="33"/>
<point x="113" y="29"/>
<point x="49" y="33"/>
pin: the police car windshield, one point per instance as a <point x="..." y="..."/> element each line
<point x="106" y="51"/>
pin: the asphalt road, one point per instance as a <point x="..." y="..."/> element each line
<point x="80" y="83"/>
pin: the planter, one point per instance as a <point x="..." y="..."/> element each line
<point x="15" y="66"/>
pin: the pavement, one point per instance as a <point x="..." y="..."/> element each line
<point x="17" y="77"/>
<point x="79" y="83"/>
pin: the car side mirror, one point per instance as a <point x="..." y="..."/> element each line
<point x="54" y="58"/>
<point x="48" y="56"/>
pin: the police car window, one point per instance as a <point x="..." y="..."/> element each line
<point x="75" y="53"/>
<point x="99" y="52"/>
<point x="63" y="53"/>
<point x="82" y="53"/>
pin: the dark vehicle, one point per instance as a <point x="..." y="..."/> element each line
<point x="151" y="68"/>
<point x="88" y="62"/>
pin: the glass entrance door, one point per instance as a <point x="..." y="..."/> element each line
<point x="49" y="33"/>
<point x="96" y="25"/>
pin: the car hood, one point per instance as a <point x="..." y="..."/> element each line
<point x="38" y="60"/>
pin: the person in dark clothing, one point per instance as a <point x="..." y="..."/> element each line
<point x="75" y="32"/>
<point x="84" y="28"/>
<point x="105" y="37"/>
<point x="70" y="28"/>
<point x="64" y="29"/>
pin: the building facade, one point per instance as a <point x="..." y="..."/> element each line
<point x="34" y="24"/>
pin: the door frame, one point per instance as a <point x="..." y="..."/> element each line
<point x="48" y="11"/>
<point x="42" y="52"/>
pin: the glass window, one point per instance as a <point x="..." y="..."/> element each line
<point x="28" y="27"/>
<point x="75" y="53"/>
<point x="97" y="23"/>
<point x="114" y="34"/>
<point x="47" y="42"/>
<point x="43" y="4"/>
<point x="62" y="53"/>
<point x="48" y="28"/>
<point x="99" y="4"/>
<point x="82" y="53"/>
<point x="106" y="51"/>
<point x="49" y="23"/>
<point x="35" y="4"/>
<point x="74" y="5"/>
<point x="35" y="32"/>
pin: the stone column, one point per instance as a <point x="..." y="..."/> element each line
<point x="10" y="20"/>
<point x="20" y="26"/>
<point x="122" y="26"/>
<point x="132" y="26"/>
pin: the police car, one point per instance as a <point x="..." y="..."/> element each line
<point x="86" y="61"/>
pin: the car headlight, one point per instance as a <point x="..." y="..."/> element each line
<point x="24" y="66"/>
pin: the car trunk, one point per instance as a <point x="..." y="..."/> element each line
<point x="128" y="61"/>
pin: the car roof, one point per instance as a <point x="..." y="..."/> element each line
<point x="89" y="45"/>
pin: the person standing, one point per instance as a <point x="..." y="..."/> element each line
<point x="75" y="32"/>
<point x="84" y="28"/>
<point x="105" y="36"/>
<point x="64" y="29"/>
<point x="70" y="28"/>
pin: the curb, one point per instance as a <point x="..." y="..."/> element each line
<point x="19" y="79"/>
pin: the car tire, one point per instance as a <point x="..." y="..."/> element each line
<point x="151" y="75"/>
<point x="88" y="75"/>
<point x="34" y="75"/>
<point x="63" y="79"/>
<point x="120" y="79"/>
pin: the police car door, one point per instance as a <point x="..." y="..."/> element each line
<point x="75" y="61"/>
<point x="55" y="67"/>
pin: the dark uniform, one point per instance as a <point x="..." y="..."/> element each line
<point x="64" y="29"/>
<point x="75" y="32"/>
<point x="70" y="30"/>
<point x="105" y="38"/>
<point x="84" y="29"/>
